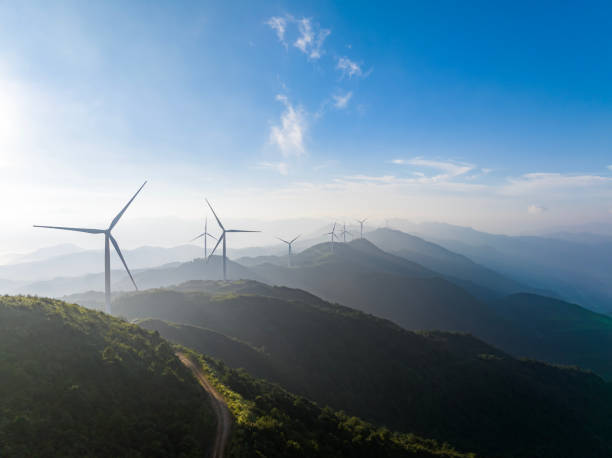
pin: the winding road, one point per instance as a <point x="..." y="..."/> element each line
<point x="224" y="418"/>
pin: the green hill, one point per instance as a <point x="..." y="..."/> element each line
<point x="272" y="422"/>
<point x="450" y="387"/>
<point x="76" y="383"/>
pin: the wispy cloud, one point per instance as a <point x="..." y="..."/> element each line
<point x="348" y="67"/>
<point x="610" y="167"/>
<point x="536" y="209"/>
<point x="341" y="101"/>
<point x="448" y="169"/>
<point x="280" y="167"/>
<point x="311" y="38"/>
<point x="289" y="135"/>
<point x="538" y="182"/>
<point x="279" y="24"/>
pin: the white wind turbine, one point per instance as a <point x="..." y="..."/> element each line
<point x="361" y="223"/>
<point x="205" y="234"/>
<point x="289" y="244"/>
<point x="332" y="234"/>
<point x="108" y="237"/>
<point x="223" y="238"/>
<point x="344" y="232"/>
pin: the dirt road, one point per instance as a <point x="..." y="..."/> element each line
<point x="224" y="418"/>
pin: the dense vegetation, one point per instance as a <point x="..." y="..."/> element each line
<point x="271" y="422"/>
<point x="78" y="383"/>
<point x="360" y="275"/>
<point x="449" y="387"/>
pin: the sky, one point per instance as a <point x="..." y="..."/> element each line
<point x="494" y="115"/>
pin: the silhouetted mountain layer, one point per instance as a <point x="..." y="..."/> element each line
<point x="447" y="386"/>
<point x="360" y="275"/>
<point x="442" y="260"/>
<point x="576" y="270"/>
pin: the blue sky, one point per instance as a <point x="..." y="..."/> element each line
<point x="488" y="114"/>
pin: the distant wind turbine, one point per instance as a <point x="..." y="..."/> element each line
<point x="205" y="234"/>
<point x="332" y="234"/>
<point x="107" y="237"/>
<point x="223" y="238"/>
<point x="344" y="232"/>
<point x="361" y="223"/>
<point x="289" y="244"/>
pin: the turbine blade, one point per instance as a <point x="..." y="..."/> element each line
<point x="116" y="245"/>
<point x="120" y="214"/>
<point x="216" y="217"/>
<point x="199" y="236"/>
<point x="213" y="251"/>
<point x="211" y="236"/>
<point x="76" y="229"/>
<point x="239" y="230"/>
<point x="296" y="238"/>
<point x="282" y="240"/>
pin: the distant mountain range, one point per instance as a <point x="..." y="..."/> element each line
<point x="468" y="298"/>
<point x="575" y="266"/>
<point x="451" y="387"/>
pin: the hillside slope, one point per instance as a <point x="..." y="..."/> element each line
<point x="449" y="387"/>
<point x="79" y="383"/>
<point x="272" y="422"/>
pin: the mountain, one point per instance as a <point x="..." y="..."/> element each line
<point x="442" y="260"/>
<point x="79" y="383"/>
<point x="574" y="270"/>
<point x="166" y="275"/>
<point x="450" y="387"/>
<point x="272" y="422"/>
<point x="360" y="275"/>
<point x="42" y="253"/>
<point x="554" y="330"/>
<point x="71" y="264"/>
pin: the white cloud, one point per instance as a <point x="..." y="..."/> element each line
<point x="449" y="170"/>
<point x="289" y="135"/>
<point x="341" y="101"/>
<point x="310" y="41"/>
<point x="279" y="24"/>
<point x="539" y="182"/>
<point x="536" y="209"/>
<point x="280" y="167"/>
<point x="348" y="67"/>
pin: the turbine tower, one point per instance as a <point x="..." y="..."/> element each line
<point x="223" y="238"/>
<point x="344" y="232"/>
<point x="108" y="237"/>
<point x="361" y="223"/>
<point x="332" y="234"/>
<point x="205" y="234"/>
<point x="289" y="244"/>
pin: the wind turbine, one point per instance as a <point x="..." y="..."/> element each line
<point x="107" y="237"/>
<point x="344" y="232"/>
<point x="223" y="238"/>
<point x="332" y="234"/>
<point x="205" y="234"/>
<point x="289" y="244"/>
<point x="361" y="222"/>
